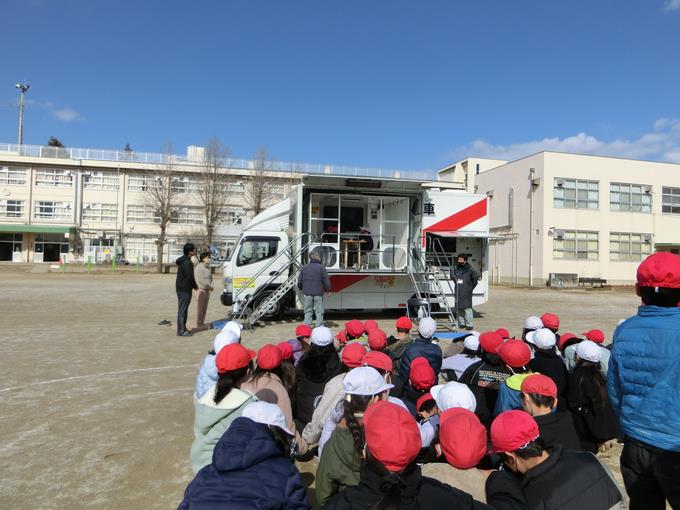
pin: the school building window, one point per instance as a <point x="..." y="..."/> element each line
<point x="629" y="246"/>
<point x="670" y="200"/>
<point x="187" y="216"/>
<point x="142" y="214"/>
<point x="575" y="194"/>
<point x="576" y="244"/>
<point x="53" y="210"/>
<point x="185" y="185"/>
<point x="233" y="216"/>
<point x="12" y="175"/>
<point x="236" y="188"/>
<point x="630" y="197"/>
<point x="10" y="244"/>
<point x="54" y="178"/>
<point x="107" y="181"/>
<point x="137" y="183"/>
<point x="100" y="212"/>
<point x="12" y="208"/>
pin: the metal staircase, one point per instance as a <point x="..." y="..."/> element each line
<point x="431" y="283"/>
<point x="291" y="267"/>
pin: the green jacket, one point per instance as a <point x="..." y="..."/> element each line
<point x="212" y="420"/>
<point x="339" y="465"/>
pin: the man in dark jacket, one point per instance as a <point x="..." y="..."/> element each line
<point x="314" y="283"/>
<point x="465" y="279"/>
<point x="560" y="479"/>
<point x="184" y="285"/>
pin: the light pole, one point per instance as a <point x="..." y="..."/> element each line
<point x="23" y="88"/>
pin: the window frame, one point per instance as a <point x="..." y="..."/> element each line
<point x="576" y="200"/>
<point x="6" y="175"/>
<point x="19" y="208"/>
<point x="573" y="236"/>
<point x="106" y="213"/>
<point x="53" y="178"/>
<point x="673" y="193"/>
<point x="630" y="203"/>
<point x="631" y="256"/>
<point x="42" y="204"/>
<point x="269" y="239"/>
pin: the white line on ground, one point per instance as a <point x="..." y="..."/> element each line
<point x="75" y="377"/>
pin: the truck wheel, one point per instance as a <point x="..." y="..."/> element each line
<point x="275" y="312"/>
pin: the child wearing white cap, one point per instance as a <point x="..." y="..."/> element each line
<point x="546" y="361"/>
<point x="207" y="373"/>
<point x="454" y="366"/>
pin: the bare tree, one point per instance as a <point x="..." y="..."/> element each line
<point x="213" y="192"/>
<point x="260" y="189"/>
<point x="162" y="198"/>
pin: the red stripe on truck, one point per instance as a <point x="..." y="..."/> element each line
<point x="342" y="281"/>
<point x="460" y="219"/>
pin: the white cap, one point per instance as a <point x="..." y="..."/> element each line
<point x="322" y="336"/>
<point x="427" y="327"/>
<point x="589" y="351"/>
<point x="224" y="337"/>
<point x="365" y="381"/>
<point x="234" y="326"/>
<point x="475" y="333"/>
<point x="267" y="414"/>
<point x="453" y="394"/>
<point x="471" y="342"/>
<point x="533" y="322"/>
<point x="543" y="338"/>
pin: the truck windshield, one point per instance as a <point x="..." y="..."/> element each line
<point x="255" y="249"/>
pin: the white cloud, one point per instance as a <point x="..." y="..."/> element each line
<point x="65" y="114"/>
<point x="672" y="5"/>
<point x="662" y="144"/>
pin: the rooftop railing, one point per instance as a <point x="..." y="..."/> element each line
<point x="155" y="158"/>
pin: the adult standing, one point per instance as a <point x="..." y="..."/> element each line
<point x="184" y="285"/>
<point x="465" y="278"/>
<point x="643" y="383"/>
<point x="314" y="283"/>
<point x="204" y="280"/>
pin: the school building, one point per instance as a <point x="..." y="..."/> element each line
<point x="568" y="217"/>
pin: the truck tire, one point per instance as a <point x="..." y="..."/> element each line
<point x="274" y="313"/>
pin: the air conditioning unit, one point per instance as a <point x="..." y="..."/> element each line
<point x="647" y="190"/>
<point x="558" y="233"/>
<point x="647" y="238"/>
<point x="559" y="182"/>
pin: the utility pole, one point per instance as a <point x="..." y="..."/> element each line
<point x="23" y="88"/>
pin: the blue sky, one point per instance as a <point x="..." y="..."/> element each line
<point x="397" y="84"/>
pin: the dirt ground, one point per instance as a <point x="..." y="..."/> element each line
<point x="96" y="398"/>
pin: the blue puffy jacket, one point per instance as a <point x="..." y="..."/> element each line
<point x="207" y="376"/>
<point x="644" y="376"/>
<point x="248" y="471"/>
<point x="421" y="347"/>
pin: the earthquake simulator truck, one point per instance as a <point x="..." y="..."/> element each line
<point x="386" y="243"/>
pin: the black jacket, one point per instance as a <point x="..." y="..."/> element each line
<point x="315" y="369"/>
<point x="566" y="480"/>
<point x="313" y="279"/>
<point x="550" y="364"/>
<point x="468" y="277"/>
<point x="185" y="281"/>
<point x="484" y="378"/>
<point x="417" y="493"/>
<point x="558" y="428"/>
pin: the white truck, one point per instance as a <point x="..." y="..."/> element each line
<point x="386" y="243"/>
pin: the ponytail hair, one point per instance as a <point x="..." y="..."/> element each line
<point x="226" y="381"/>
<point x="353" y="408"/>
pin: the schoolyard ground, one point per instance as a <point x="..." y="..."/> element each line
<point x="96" y="398"/>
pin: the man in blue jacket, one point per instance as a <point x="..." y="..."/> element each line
<point x="313" y="281"/>
<point x="644" y="386"/>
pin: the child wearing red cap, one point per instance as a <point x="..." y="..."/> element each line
<point x="300" y="344"/>
<point x="539" y="399"/>
<point x="644" y="382"/>
<point x="390" y="478"/>
<point x="561" y="479"/>
<point x="420" y="380"/>
<point x="396" y="344"/>
<point x="516" y="355"/>
<point x="222" y="403"/>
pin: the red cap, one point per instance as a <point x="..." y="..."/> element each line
<point x="377" y="339"/>
<point x="303" y="330"/>
<point x="595" y="335"/>
<point x="354" y="328"/>
<point x="369" y="325"/>
<point x="462" y="438"/>
<point x="233" y="357"/>
<point x="353" y="354"/>
<point x="269" y="357"/>
<point x="286" y="350"/>
<point x="490" y="341"/>
<point x="515" y="353"/>
<point x="342" y="336"/>
<point x="422" y="399"/>
<point x="513" y="430"/>
<point x="421" y="374"/>
<point x="550" y="321"/>
<point x="564" y="338"/>
<point x="379" y="360"/>
<point x="404" y="323"/>
<point x="392" y="435"/>
<point x="539" y="384"/>
<point x="660" y="270"/>
<point x="505" y="334"/>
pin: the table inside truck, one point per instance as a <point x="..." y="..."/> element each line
<point x="348" y="243"/>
